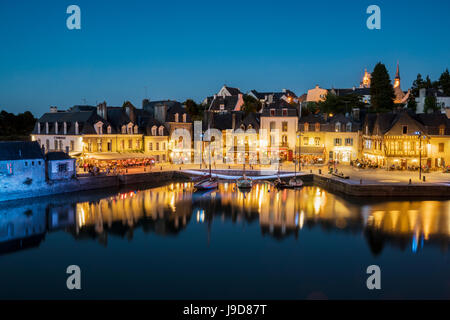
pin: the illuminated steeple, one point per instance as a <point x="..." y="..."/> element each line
<point x="397" y="77"/>
<point x="366" y="80"/>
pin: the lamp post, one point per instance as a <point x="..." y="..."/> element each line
<point x="297" y="157"/>
<point x="420" y="135"/>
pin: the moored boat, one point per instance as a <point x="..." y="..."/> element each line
<point x="244" y="182"/>
<point x="207" y="184"/>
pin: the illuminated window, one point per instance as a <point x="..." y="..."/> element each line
<point x="306" y="127"/>
<point x="305" y="141"/>
<point x="441" y="147"/>
<point x="337" y="141"/>
<point x="349" y="142"/>
<point x="317" y="127"/>
<point x="317" y="141"/>
<point x="284" y="126"/>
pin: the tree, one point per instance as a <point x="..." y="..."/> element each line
<point x="381" y="90"/>
<point x="310" y="108"/>
<point x="430" y="104"/>
<point x="417" y="85"/>
<point x="444" y="82"/>
<point x="251" y="104"/>
<point x="16" y="127"/>
<point x="340" y="104"/>
<point x="194" y="110"/>
<point x="412" y="104"/>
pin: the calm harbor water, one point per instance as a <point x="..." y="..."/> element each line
<point x="171" y="243"/>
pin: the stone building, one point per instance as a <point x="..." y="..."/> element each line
<point x="21" y="164"/>
<point x="60" y="166"/>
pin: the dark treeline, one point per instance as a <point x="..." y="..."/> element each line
<point x="16" y="127"/>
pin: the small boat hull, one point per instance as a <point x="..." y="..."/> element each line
<point x="207" y="184"/>
<point x="244" y="183"/>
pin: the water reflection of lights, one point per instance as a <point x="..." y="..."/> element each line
<point x="200" y="215"/>
<point x="279" y="211"/>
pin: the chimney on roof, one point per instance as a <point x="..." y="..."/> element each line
<point x="102" y="110"/>
<point x="53" y="109"/>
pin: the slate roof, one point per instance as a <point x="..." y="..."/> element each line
<point x="233" y="91"/>
<point x="312" y="118"/>
<point x="229" y="103"/>
<point x="278" y="107"/>
<point x="174" y="109"/>
<point x="20" y="150"/>
<point x="85" y="119"/>
<point x="276" y="95"/>
<point x="57" y="155"/>
<point x="245" y="120"/>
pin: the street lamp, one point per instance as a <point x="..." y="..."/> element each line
<point x="419" y="136"/>
<point x="297" y="157"/>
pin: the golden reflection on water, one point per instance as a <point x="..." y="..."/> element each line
<point x="275" y="210"/>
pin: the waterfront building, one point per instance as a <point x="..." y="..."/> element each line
<point x="21" y="164"/>
<point x="156" y="141"/>
<point x="325" y="138"/>
<point x="405" y="139"/>
<point x="108" y="133"/>
<point x="281" y="117"/>
<point x="60" y="166"/>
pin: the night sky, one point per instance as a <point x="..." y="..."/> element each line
<point x="189" y="49"/>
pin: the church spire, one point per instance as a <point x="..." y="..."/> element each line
<point x="397" y="74"/>
<point x="397" y="77"/>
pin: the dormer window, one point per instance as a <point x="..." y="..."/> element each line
<point x="441" y="130"/>
<point x="56" y="127"/>
<point x="136" y="129"/>
<point x="65" y="127"/>
<point x="46" y="128"/>
<point x="109" y="129"/>
<point x="176" y="117"/>
<point x="337" y="127"/>
<point x="161" y="131"/>
<point x="130" y="128"/>
<point x="367" y="130"/>
<point x="317" y="127"/>
<point x="154" y="131"/>
<point x="272" y="112"/>
<point x="306" y="127"/>
<point x="99" y="127"/>
<point x="77" y="129"/>
<point x="348" y="127"/>
<point x="184" y="117"/>
<point x="285" y="112"/>
<point x="405" y="129"/>
<point x="222" y="107"/>
<point x="38" y="128"/>
<point x="124" y="129"/>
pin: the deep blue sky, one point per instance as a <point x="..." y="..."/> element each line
<point x="189" y="49"/>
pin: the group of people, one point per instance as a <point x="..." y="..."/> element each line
<point x="95" y="167"/>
